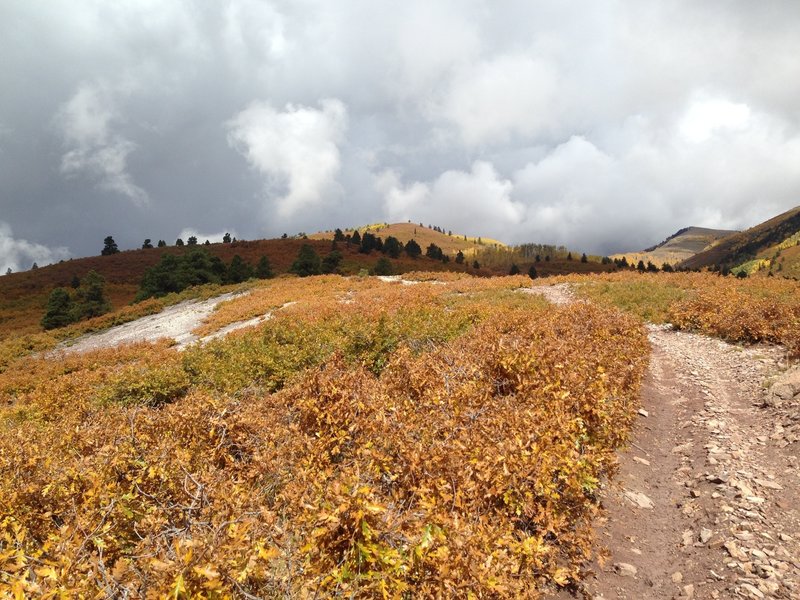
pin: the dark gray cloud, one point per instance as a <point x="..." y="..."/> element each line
<point x="602" y="125"/>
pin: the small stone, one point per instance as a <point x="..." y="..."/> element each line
<point x="734" y="551"/>
<point x="765" y="483"/>
<point x="677" y="577"/>
<point x="625" y="569"/>
<point x="687" y="537"/>
<point x="705" y="535"/>
<point x="752" y="590"/>
<point x="643" y="412"/>
<point x="639" y="499"/>
<point x="688" y="591"/>
<point x="643" y="461"/>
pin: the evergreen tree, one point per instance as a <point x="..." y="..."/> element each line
<point x="355" y="238"/>
<point x="179" y="242"/>
<point x="569" y="256"/>
<point x="330" y="264"/>
<point x="109" y="246"/>
<point x="584" y="258"/>
<point x="264" y="269"/>
<point x="640" y="266"/>
<point x="392" y="247"/>
<point x="207" y="243"/>
<point x="532" y="272"/>
<point x="383" y="267"/>
<point x="667" y="268"/>
<point x="226" y="239"/>
<point x="59" y="309"/>
<point x="307" y="262"/>
<point x="8" y="271"/>
<point x="476" y="264"/>
<point x="651" y="268"/>
<point x="460" y="257"/>
<point x="147" y="244"/>
<point x="538" y="258"/>
<point x="192" y="241"/>
<point x="433" y="251"/>
<point x="514" y="269"/>
<point x="162" y="244"/>
<point x="368" y="243"/>
<point x="75" y="283"/>
<point x="34" y="266"/>
<point x="412" y="249"/>
<point x="547" y="258"/>
<point x="338" y="235"/>
<point x="238" y="270"/>
<point x="90" y="299"/>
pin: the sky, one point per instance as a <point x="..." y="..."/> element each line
<point x="601" y="125"/>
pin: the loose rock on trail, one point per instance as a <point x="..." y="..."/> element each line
<point x="707" y="500"/>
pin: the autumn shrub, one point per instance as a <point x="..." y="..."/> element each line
<point x="379" y="439"/>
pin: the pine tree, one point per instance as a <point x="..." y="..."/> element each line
<point x="238" y="270"/>
<point x="90" y="299"/>
<point x="226" y="239"/>
<point x="460" y="257"/>
<point x="338" y="235"/>
<point x="514" y="270"/>
<point x="412" y="249"/>
<point x="59" y="309"/>
<point x="383" y="267"/>
<point x="356" y="238"/>
<point x="75" y="283"/>
<point x="34" y="266"/>
<point x="392" y="247"/>
<point x="584" y="258"/>
<point x="8" y="271"/>
<point x="532" y="272"/>
<point x="147" y="244"/>
<point x="476" y="264"/>
<point x="192" y="241"/>
<point x="109" y="246"/>
<point x="179" y="242"/>
<point x="307" y="262"/>
<point x="264" y="269"/>
<point x="161" y="243"/>
<point x="330" y="264"/>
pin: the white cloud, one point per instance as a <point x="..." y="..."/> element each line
<point x="295" y="149"/>
<point x="20" y="255"/>
<point x="475" y="201"/>
<point x="86" y="124"/>
<point x="708" y="116"/>
<point x="493" y="100"/>
<point x="185" y="234"/>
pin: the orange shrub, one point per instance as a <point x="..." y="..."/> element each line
<point x="438" y="441"/>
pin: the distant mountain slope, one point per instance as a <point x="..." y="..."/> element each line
<point x="680" y="246"/>
<point x="750" y="244"/>
<point x="424" y="236"/>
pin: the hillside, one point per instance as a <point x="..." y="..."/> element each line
<point x="678" y="247"/>
<point x="424" y="236"/>
<point x="23" y="295"/>
<point x="770" y="241"/>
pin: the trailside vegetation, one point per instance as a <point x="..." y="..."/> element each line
<point x="370" y="439"/>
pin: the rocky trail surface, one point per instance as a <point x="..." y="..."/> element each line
<point x="707" y="500"/>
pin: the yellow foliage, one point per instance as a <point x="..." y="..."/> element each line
<point x="372" y="439"/>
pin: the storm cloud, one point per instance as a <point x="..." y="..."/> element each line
<point x="602" y="125"/>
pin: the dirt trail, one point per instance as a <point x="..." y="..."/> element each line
<point x="707" y="501"/>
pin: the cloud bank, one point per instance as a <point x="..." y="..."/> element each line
<point x="605" y="126"/>
<point x="19" y="255"/>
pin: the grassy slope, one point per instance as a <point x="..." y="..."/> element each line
<point x="23" y="296"/>
<point x="424" y="236"/>
<point x="743" y="246"/>
<point x="679" y="247"/>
